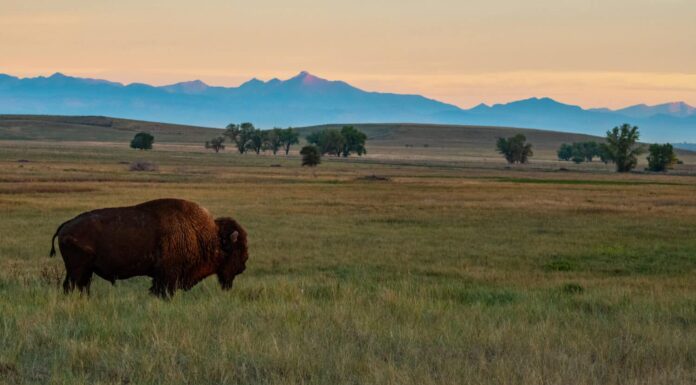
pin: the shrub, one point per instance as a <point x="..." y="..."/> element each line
<point x="311" y="156"/>
<point x="142" y="141"/>
<point x="140" y="165"/>
<point x="216" y="144"/>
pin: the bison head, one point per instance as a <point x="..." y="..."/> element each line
<point x="233" y="243"/>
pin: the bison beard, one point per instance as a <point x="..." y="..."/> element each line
<point x="174" y="241"/>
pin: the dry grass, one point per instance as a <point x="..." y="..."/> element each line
<point x="448" y="272"/>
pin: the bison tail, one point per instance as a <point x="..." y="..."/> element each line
<point x="53" y="240"/>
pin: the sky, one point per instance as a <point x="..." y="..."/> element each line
<point x="609" y="53"/>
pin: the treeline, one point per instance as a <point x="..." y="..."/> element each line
<point x="622" y="149"/>
<point x="579" y="152"/>
<point x="247" y="138"/>
<point x="341" y="142"/>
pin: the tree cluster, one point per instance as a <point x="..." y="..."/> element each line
<point x="341" y="142"/>
<point x="621" y="148"/>
<point x="661" y="157"/>
<point x="245" y="137"/>
<point x="515" y="149"/>
<point x="580" y="152"/>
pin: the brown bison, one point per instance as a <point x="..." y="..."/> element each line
<point x="176" y="242"/>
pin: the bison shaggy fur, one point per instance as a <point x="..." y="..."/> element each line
<point x="175" y="242"/>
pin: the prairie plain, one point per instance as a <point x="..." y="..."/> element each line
<point x="456" y="269"/>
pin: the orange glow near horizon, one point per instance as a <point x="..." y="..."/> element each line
<point x="594" y="54"/>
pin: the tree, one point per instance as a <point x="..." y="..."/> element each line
<point x="622" y="147"/>
<point x="565" y="152"/>
<point x="216" y="144"/>
<point x="274" y="140"/>
<point x="590" y="150"/>
<point x="257" y="140"/>
<point x="311" y="156"/>
<point x="288" y="137"/>
<point x="515" y="149"/>
<point x="354" y="141"/>
<point x="142" y="141"/>
<point x="240" y="135"/>
<point x="603" y="154"/>
<point x="329" y="141"/>
<point x="662" y="157"/>
<point x="577" y="153"/>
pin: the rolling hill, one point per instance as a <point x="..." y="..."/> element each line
<point x="387" y="140"/>
<point x="470" y="139"/>
<point x="106" y="129"/>
<point x="96" y="129"/>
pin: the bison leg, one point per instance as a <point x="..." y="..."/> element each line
<point x="68" y="284"/>
<point x="157" y="287"/>
<point x="78" y="268"/>
<point x="82" y="278"/>
<point x="162" y="288"/>
<point x="85" y="281"/>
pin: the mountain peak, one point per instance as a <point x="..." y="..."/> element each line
<point x="189" y="87"/>
<point x="307" y="79"/>
<point x="679" y="109"/>
<point x="253" y="82"/>
<point x="58" y="75"/>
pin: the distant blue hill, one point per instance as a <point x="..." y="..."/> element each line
<point x="309" y="100"/>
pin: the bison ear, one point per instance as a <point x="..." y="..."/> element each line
<point x="234" y="236"/>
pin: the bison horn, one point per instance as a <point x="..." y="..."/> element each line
<point x="234" y="236"/>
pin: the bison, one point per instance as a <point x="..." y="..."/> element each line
<point x="175" y="242"/>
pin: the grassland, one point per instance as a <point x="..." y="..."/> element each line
<point x="96" y="129"/>
<point x="455" y="270"/>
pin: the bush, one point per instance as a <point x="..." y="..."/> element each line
<point x="142" y="141"/>
<point x="216" y="144"/>
<point x="311" y="156"/>
<point x="140" y="165"/>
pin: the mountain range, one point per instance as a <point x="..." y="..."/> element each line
<point x="306" y="99"/>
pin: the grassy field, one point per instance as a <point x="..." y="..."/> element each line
<point x="455" y="270"/>
<point x="96" y="128"/>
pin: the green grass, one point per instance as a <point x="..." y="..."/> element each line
<point x="441" y="275"/>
